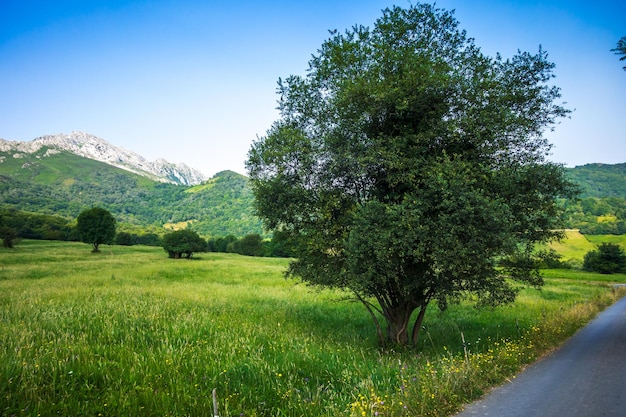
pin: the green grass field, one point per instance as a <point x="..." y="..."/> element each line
<point x="575" y="245"/>
<point x="130" y="332"/>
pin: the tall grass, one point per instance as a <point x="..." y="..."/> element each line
<point x="131" y="332"/>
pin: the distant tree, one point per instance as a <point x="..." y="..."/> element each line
<point x="183" y="244"/>
<point x="250" y="245"/>
<point x="124" y="239"/>
<point x="607" y="259"/>
<point x="406" y="162"/>
<point x="96" y="226"/>
<point x="148" y="239"/>
<point x="281" y="246"/>
<point x="620" y="49"/>
<point x="9" y="236"/>
<point x="221" y="244"/>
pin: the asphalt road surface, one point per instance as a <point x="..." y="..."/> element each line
<point x="584" y="378"/>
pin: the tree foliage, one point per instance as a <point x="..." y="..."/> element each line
<point x="8" y="235"/>
<point x="406" y="162"/>
<point x="250" y="245"/>
<point x="609" y="258"/>
<point x="620" y="49"/>
<point x="183" y="244"/>
<point x="96" y="226"/>
<point x="596" y="216"/>
<point x="36" y="226"/>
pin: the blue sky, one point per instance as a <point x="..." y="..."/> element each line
<point x="195" y="81"/>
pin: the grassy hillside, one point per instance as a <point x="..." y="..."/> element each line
<point x="575" y="245"/>
<point x="65" y="184"/>
<point x="573" y="248"/>
<point x="60" y="169"/>
<point x="616" y="239"/>
<point x="132" y="332"/>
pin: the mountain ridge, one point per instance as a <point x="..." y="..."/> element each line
<point x="93" y="147"/>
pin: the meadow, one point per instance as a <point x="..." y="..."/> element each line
<point x="131" y="332"/>
<point x="575" y="245"/>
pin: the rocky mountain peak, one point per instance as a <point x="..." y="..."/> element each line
<point x="93" y="147"/>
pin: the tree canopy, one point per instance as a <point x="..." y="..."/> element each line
<point x="609" y="258"/>
<point x="183" y="243"/>
<point x="96" y="226"/>
<point x="406" y="162"/>
<point x="250" y="245"/>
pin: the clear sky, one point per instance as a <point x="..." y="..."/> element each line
<point x="195" y="81"/>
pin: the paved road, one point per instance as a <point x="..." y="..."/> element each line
<point x="585" y="378"/>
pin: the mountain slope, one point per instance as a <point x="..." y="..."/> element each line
<point x="219" y="207"/>
<point x="600" y="180"/>
<point x="65" y="184"/>
<point x="93" y="147"/>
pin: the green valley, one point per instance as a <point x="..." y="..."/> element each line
<point x="62" y="184"/>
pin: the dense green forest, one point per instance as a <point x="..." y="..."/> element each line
<point x="601" y="207"/>
<point x="600" y="180"/>
<point x="41" y="196"/>
<point x="596" y="215"/>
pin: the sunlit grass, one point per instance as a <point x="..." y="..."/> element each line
<point x="132" y="332"/>
<point x="573" y="248"/>
<point x="616" y="239"/>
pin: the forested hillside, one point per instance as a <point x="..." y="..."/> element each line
<point x="600" y="180"/>
<point x="601" y="208"/>
<point x="64" y="184"/>
<point x="220" y="206"/>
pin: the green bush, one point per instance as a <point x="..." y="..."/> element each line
<point x="250" y="245"/>
<point x="8" y="236"/>
<point x="607" y="259"/>
<point x="183" y="244"/>
<point x="124" y="239"/>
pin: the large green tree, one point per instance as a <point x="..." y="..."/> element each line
<point x="406" y="163"/>
<point x="96" y="226"/>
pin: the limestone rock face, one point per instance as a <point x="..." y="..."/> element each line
<point x="93" y="147"/>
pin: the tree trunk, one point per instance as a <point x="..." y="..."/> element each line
<point x="417" y="326"/>
<point x="398" y="324"/>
